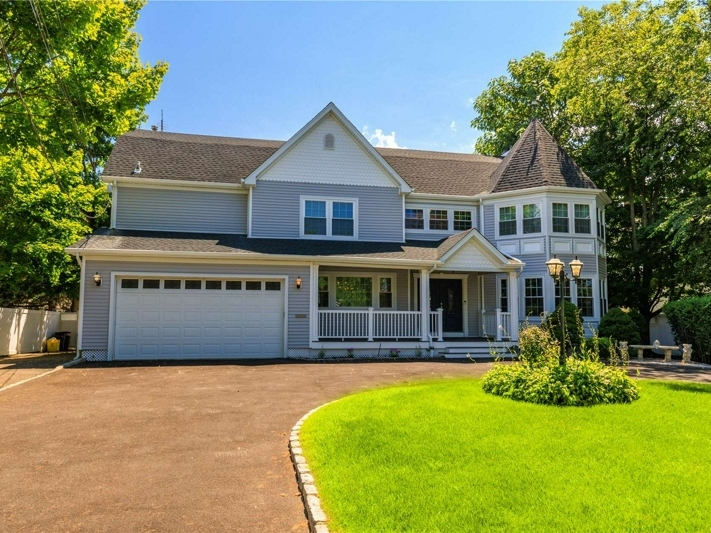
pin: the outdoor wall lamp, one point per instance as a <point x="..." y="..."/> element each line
<point x="556" y="269"/>
<point x="298" y="282"/>
<point x="97" y="279"/>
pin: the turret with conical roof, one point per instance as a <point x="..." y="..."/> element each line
<point x="537" y="160"/>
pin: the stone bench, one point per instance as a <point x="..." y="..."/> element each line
<point x="685" y="350"/>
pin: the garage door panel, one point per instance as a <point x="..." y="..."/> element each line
<point x="198" y="323"/>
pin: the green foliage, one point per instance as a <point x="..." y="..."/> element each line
<point x="690" y="320"/>
<point x="574" y="332"/>
<point x="619" y="325"/>
<point x="602" y="347"/>
<point x="58" y="121"/>
<point x="629" y="97"/>
<point x="540" y="378"/>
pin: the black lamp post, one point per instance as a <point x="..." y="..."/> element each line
<point x="556" y="269"/>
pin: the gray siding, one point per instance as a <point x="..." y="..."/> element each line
<point x="95" y="307"/>
<point x="276" y="208"/>
<point x="139" y="208"/>
<point x="489" y="222"/>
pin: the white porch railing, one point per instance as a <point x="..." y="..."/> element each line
<point x="371" y="324"/>
<point x="496" y="324"/>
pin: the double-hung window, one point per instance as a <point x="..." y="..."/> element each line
<point x="323" y="291"/>
<point x="561" y="224"/>
<point x="462" y="220"/>
<point x="585" y="296"/>
<point x="329" y="218"/>
<point x="504" y="295"/>
<point x="532" y="218"/>
<point x="414" y="219"/>
<point x="507" y="220"/>
<point x="582" y="218"/>
<point x="385" y="296"/>
<point x="439" y="219"/>
<point x="533" y="296"/>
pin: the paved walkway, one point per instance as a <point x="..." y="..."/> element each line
<point x="173" y="447"/>
<point x="16" y="368"/>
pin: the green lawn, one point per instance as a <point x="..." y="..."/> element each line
<point x="444" y="456"/>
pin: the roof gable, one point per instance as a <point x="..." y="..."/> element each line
<point x="353" y="161"/>
<point x="537" y="160"/>
<point x="470" y="250"/>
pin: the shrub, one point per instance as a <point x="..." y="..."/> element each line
<point x="600" y="346"/>
<point x="577" y="383"/>
<point x="573" y="325"/>
<point x="539" y="378"/>
<point x="640" y="322"/>
<point x="690" y="320"/>
<point x="620" y="326"/>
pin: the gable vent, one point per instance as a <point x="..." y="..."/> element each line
<point x="329" y="142"/>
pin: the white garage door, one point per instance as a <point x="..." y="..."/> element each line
<point x="190" y="318"/>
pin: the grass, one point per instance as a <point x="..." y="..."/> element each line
<point x="445" y="456"/>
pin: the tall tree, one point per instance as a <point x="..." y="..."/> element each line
<point x="632" y="87"/>
<point x="70" y="82"/>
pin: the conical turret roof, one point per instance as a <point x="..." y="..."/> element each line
<point x="537" y="160"/>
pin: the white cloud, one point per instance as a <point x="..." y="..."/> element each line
<point x="453" y="126"/>
<point x="380" y="139"/>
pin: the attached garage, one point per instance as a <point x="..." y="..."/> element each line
<point x="183" y="317"/>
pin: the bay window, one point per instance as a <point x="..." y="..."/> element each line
<point x="532" y="218"/>
<point x="560" y="218"/>
<point x="582" y="218"/>
<point x="507" y="220"/>
<point x="585" y="296"/>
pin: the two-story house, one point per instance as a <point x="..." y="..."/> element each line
<point x="324" y="245"/>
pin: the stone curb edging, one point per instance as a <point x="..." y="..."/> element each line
<point x="68" y="364"/>
<point x="309" y="494"/>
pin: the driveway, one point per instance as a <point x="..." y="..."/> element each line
<point x="170" y="448"/>
<point x="176" y="447"/>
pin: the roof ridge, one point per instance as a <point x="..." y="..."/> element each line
<point x="196" y="137"/>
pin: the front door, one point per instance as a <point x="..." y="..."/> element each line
<point x="447" y="294"/>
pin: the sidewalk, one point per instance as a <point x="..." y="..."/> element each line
<point x="16" y="368"/>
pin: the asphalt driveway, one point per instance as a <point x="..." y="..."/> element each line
<point x="170" y="448"/>
<point x="178" y="447"/>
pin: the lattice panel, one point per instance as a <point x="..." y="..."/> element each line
<point x="95" y="355"/>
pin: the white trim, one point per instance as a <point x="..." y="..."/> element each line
<point x="313" y="302"/>
<point x="518" y="207"/>
<point x="114" y="204"/>
<point x="249" y="212"/>
<point x="80" y="315"/>
<point x="444" y="197"/>
<point x="329" y="200"/>
<point x="522" y="300"/>
<point x="172" y="275"/>
<point x="486" y="247"/>
<point x="330" y="109"/>
<point x="404" y="238"/>
<point x="157" y="183"/>
<point x="547" y="189"/>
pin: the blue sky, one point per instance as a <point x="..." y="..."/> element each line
<point x="262" y="70"/>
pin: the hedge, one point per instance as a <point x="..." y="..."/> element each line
<point x="690" y="319"/>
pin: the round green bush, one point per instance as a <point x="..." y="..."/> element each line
<point x="620" y="326"/>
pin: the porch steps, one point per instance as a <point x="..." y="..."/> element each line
<point x="476" y="350"/>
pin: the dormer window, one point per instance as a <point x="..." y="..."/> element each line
<point x="329" y="142"/>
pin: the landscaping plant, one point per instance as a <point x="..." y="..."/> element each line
<point x="573" y="325"/>
<point x="619" y="325"/>
<point x="690" y="320"/>
<point x="538" y="376"/>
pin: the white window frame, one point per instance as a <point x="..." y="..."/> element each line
<point x="591" y="210"/>
<point x="450" y="218"/>
<point x="497" y="217"/>
<point x="519" y="226"/>
<point x="518" y="205"/>
<point x="522" y="297"/>
<point x="375" y="288"/>
<point x="329" y="217"/>
<point x="574" y="295"/>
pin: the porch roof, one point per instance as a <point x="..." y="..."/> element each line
<point x="201" y="244"/>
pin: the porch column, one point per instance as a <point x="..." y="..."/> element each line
<point x="313" y="301"/>
<point x="513" y="304"/>
<point x="425" y="304"/>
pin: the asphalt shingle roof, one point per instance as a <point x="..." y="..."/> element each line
<point x="105" y="239"/>
<point x="537" y="160"/>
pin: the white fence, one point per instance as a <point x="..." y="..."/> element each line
<point x="496" y="324"/>
<point x="25" y="330"/>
